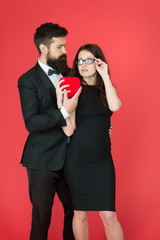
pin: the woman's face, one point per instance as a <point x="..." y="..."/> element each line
<point x="86" y="70"/>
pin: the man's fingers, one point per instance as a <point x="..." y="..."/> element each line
<point x="59" y="82"/>
<point x="64" y="86"/>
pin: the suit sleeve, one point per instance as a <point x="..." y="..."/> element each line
<point x="34" y="120"/>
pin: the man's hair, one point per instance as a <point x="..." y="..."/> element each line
<point x="46" y="32"/>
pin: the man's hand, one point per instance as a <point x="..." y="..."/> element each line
<point x="60" y="93"/>
<point x="71" y="103"/>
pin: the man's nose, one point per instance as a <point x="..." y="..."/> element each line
<point x="64" y="50"/>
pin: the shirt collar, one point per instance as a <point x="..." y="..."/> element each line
<point x="44" y="66"/>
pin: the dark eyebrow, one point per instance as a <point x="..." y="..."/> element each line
<point x="61" y="45"/>
<point x="86" y="58"/>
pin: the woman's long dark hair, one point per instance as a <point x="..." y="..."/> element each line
<point x="99" y="85"/>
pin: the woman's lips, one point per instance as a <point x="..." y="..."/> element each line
<point x="84" y="70"/>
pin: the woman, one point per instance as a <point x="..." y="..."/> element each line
<point x="89" y="167"/>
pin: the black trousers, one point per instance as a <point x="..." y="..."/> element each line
<point x="42" y="188"/>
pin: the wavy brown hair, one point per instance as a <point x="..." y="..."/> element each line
<point x="99" y="86"/>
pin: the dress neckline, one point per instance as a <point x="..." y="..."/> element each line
<point x="88" y="85"/>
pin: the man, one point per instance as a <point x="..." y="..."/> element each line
<point x="45" y="148"/>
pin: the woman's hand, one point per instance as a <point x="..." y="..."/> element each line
<point x="60" y="93"/>
<point x="101" y="67"/>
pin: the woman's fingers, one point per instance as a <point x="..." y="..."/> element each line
<point x="100" y="62"/>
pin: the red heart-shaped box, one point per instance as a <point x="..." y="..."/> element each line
<point x="74" y="84"/>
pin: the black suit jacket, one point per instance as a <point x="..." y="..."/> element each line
<point x="46" y="144"/>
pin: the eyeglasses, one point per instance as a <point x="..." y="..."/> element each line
<point x="87" y="61"/>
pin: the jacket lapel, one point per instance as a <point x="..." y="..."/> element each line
<point x="47" y="82"/>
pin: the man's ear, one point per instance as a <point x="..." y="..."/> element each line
<point x="43" y="48"/>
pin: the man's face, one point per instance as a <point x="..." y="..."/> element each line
<point x="57" y="47"/>
<point x="56" y="57"/>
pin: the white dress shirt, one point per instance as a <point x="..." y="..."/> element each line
<point x="54" y="78"/>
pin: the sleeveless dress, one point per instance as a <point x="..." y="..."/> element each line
<point x="89" y="168"/>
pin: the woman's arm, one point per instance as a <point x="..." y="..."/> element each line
<point x="113" y="100"/>
<point x="69" y="129"/>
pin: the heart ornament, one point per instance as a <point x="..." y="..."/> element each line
<point x="74" y="84"/>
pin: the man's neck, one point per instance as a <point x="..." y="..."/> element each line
<point x="43" y="60"/>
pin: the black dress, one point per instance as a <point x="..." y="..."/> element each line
<point x="89" y="167"/>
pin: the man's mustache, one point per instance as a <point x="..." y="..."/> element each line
<point x="63" y="57"/>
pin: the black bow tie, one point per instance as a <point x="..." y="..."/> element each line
<point x="51" y="72"/>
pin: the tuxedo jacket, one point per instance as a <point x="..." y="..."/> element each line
<point x="45" y="147"/>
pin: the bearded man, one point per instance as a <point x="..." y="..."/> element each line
<point x="45" y="148"/>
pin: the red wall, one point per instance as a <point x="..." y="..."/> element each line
<point x="129" y="34"/>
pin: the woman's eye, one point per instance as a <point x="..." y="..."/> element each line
<point x="89" y="60"/>
<point x="80" y="61"/>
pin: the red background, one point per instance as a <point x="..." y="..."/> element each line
<point x="129" y="34"/>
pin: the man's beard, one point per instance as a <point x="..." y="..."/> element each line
<point x="60" y="64"/>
